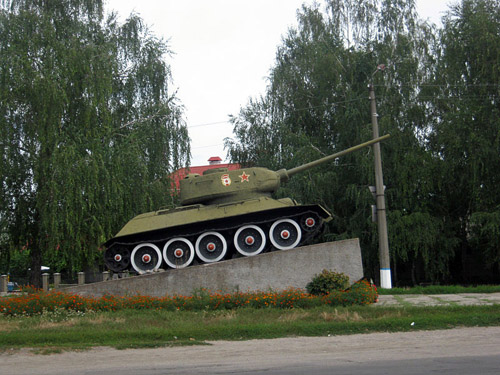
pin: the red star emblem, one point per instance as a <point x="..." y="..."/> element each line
<point x="244" y="177"/>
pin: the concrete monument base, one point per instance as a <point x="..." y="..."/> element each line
<point x="277" y="270"/>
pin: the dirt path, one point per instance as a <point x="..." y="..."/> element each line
<point x="264" y="356"/>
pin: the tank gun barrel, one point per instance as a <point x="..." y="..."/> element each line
<point x="285" y="174"/>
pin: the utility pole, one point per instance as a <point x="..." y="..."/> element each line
<point x="383" y="242"/>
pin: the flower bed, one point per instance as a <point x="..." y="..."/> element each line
<point x="37" y="302"/>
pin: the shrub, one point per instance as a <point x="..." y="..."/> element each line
<point x="327" y="282"/>
<point x="360" y="293"/>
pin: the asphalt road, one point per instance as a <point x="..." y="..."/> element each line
<point x="455" y="351"/>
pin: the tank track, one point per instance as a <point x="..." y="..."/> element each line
<point x="136" y="252"/>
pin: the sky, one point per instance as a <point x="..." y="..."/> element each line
<point x="223" y="51"/>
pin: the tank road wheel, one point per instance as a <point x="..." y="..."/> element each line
<point x="250" y="240"/>
<point x="117" y="258"/>
<point x="178" y="252"/>
<point x="211" y="247"/>
<point x="146" y="257"/>
<point x="285" y="234"/>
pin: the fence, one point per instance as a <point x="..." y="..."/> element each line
<point x="56" y="279"/>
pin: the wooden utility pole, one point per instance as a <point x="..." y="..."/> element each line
<point x="383" y="242"/>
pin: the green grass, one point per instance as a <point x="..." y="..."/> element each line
<point x="441" y="289"/>
<point x="52" y="332"/>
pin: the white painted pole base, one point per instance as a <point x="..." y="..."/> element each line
<point x="385" y="278"/>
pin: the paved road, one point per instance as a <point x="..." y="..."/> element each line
<point x="455" y="351"/>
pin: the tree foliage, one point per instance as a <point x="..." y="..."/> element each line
<point x="89" y="129"/>
<point x="438" y="98"/>
<point x="465" y="133"/>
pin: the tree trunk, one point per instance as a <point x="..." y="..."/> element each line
<point x="413" y="275"/>
<point x="36" y="267"/>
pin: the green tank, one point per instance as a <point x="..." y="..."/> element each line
<point x="222" y="214"/>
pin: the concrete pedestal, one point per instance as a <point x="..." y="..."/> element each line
<point x="277" y="270"/>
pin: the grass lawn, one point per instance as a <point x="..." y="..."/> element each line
<point x="69" y="330"/>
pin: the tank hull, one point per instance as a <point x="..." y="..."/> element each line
<point x="216" y="225"/>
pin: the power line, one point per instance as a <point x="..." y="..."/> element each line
<point x="208" y="124"/>
<point x="440" y="85"/>
<point x="425" y="97"/>
<point x="196" y="148"/>
<point x="294" y="110"/>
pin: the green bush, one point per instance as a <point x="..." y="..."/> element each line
<point x="360" y="293"/>
<point x="327" y="282"/>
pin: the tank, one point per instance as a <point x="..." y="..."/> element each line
<point x="222" y="214"/>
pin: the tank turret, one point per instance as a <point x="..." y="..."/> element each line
<point x="217" y="186"/>
<point x="222" y="214"/>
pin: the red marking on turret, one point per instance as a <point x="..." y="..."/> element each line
<point x="244" y="177"/>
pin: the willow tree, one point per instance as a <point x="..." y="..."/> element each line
<point x="89" y="129"/>
<point x="316" y="104"/>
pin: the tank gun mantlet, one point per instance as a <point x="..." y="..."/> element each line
<point x="283" y="175"/>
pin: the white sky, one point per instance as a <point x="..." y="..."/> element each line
<point x="224" y="50"/>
